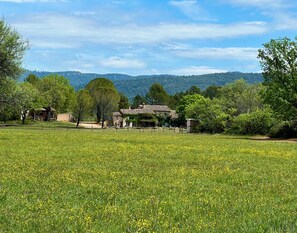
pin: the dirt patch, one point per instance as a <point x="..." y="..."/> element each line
<point x="292" y="140"/>
<point x="90" y="125"/>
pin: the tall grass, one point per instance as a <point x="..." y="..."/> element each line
<point x="120" y="181"/>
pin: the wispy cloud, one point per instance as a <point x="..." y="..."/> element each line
<point x="196" y="70"/>
<point x="264" y="4"/>
<point x="283" y="12"/>
<point x="32" y="1"/>
<point x="118" y="62"/>
<point x="230" y="53"/>
<point x="192" y="10"/>
<point x="84" y="13"/>
<point x="61" y="28"/>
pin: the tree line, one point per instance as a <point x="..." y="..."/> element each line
<point x="266" y="108"/>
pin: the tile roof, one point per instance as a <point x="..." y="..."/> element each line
<point x="136" y="111"/>
<point x="147" y="109"/>
<point x="155" y="108"/>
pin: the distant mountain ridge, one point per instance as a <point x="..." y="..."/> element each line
<point x="139" y="85"/>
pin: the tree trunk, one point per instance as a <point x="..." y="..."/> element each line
<point x="98" y="116"/>
<point x="48" y="114"/>
<point x="23" y="117"/>
<point x="102" y="126"/>
<point x="78" y="120"/>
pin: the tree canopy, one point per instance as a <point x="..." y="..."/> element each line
<point x="124" y="101"/>
<point x="12" y="49"/>
<point x="105" y="96"/>
<point x="278" y="60"/>
<point x="57" y="93"/>
<point x="157" y="95"/>
<point x="83" y="105"/>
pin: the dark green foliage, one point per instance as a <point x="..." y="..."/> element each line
<point x="138" y="100"/>
<point x="212" y="92"/>
<point x="193" y="90"/>
<point x="143" y="120"/>
<point x="284" y="129"/>
<point x="157" y="95"/>
<point x="124" y="101"/>
<point x="33" y="79"/>
<point x="257" y="122"/>
<point x="175" y="100"/>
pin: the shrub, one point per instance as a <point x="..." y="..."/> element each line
<point x="209" y="115"/>
<point x="257" y="122"/>
<point x="285" y="129"/>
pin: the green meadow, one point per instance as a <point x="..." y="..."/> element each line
<point x="59" y="180"/>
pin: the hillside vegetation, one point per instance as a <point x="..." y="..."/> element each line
<point x="127" y="181"/>
<point x="139" y="85"/>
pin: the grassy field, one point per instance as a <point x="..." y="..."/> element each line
<point x="107" y="181"/>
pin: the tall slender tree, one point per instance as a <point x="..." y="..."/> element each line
<point x="105" y="96"/>
<point x="82" y="106"/>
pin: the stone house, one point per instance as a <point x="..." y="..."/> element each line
<point x="144" y="116"/>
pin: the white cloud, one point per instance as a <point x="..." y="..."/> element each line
<point x="76" y="30"/>
<point x="231" y="53"/>
<point x="191" y="9"/>
<point x="122" y="63"/>
<point x="52" y="44"/>
<point x="32" y="1"/>
<point x="264" y="4"/>
<point x="196" y="70"/>
<point x="283" y="12"/>
<point x="84" y="13"/>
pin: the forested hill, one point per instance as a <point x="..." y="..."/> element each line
<point x="139" y="85"/>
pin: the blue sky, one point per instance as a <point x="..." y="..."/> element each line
<point x="135" y="37"/>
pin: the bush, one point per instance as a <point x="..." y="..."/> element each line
<point x="257" y="122"/>
<point x="209" y="115"/>
<point x="285" y="129"/>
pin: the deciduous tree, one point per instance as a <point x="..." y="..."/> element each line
<point x="57" y="93"/>
<point x="33" y="79"/>
<point x="12" y="49"/>
<point x="27" y="98"/>
<point x="278" y="60"/>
